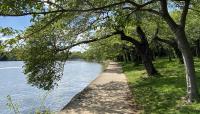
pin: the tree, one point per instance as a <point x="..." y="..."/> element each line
<point x="179" y="31"/>
<point x="143" y="49"/>
<point x="89" y="10"/>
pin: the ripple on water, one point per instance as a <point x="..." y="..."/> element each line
<point x="77" y="75"/>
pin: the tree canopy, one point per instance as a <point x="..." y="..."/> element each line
<point x="62" y="24"/>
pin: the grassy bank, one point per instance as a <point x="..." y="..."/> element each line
<point x="164" y="94"/>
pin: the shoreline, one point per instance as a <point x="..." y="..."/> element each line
<point x="108" y="93"/>
<point x="104" y="66"/>
<point x="81" y="92"/>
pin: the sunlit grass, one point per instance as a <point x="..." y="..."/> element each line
<point x="164" y="94"/>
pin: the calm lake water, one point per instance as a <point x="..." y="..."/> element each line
<point x="77" y="75"/>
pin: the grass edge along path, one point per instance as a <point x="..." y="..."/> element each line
<point x="164" y="94"/>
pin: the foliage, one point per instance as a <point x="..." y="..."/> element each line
<point x="165" y="94"/>
<point x="7" y="31"/>
<point x="104" y="50"/>
<point x="12" y="106"/>
<point x="15" y="107"/>
<point x="42" y="65"/>
<point x="76" y="55"/>
<point x="57" y="25"/>
<point x="193" y="26"/>
<point x="20" y="6"/>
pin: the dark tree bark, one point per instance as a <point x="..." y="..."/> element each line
<point x="146" y="56"/>
<point x="143" y="49"/>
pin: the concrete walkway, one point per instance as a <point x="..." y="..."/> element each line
<point x="107" y="94"/>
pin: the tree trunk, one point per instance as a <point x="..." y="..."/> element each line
<point x="143" y="49"/>
<point x="146" y="55"/>
<point x="178" y="54"/>
<point x="183" y="44"/>
<point x="151" y="71"/>
<point x="192" y="90"/>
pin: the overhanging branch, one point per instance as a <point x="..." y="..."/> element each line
<point x="87" y="41"/>
<point x="128" y="38"/>
<point x="65" y="10"/>
<point x="143" y="10"/>
<point x="140" y="5"/>
<point x="46" y="25"/>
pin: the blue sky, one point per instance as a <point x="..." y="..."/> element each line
<point x="19" y="23"/>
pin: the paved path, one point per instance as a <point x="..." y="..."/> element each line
<point x="108" y="94"/>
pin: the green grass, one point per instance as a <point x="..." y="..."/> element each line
<point x="164" y="94"/>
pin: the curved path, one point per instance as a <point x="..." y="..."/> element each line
<point x="107" y="94"/>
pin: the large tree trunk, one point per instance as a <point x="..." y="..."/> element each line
<point x="183" y="44"/>
<point x="192" y="90"/>
<point x="147" y="61"/>
<point x="146" y="53"/>
<point x="147" y="58"/>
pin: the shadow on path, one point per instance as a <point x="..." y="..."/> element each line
<point x="108" y="94"/>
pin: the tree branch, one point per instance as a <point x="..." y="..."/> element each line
<point x="141" y="34"/>
<point x="169" y="42"/>
<point x="152" y="11"/>
<point x="46" y="25"/>
<point x="147" y="3"/>
<point x="32" y="13"/>
<point x="132" y="3"/>
<point x="184" y="13"/>
<point x="147" y="9"/>
<point x="128" y="38"/>
<point x="165" y="15"/>
<point x="87" y="41"/>
<point x="65" y="10"/>
<point x="140" y="5"/>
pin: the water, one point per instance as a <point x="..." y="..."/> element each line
<point x="77" y="75"/>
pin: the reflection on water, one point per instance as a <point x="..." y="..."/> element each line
<point x="77" y="75"/>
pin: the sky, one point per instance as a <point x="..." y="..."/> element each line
<point x="21" y="23"/>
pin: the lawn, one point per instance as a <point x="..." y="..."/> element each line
<point x="164" y="94"/>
